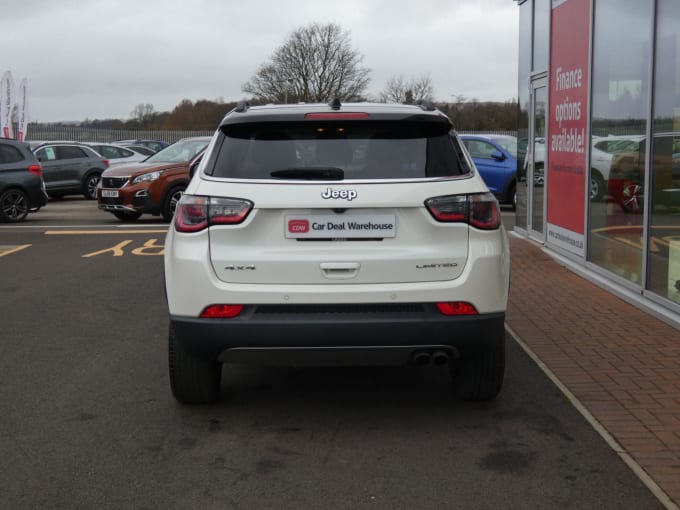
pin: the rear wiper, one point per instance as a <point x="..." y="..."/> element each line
<point x="311" y="173"/>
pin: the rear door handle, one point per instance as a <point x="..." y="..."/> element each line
<point x="340" y="270"/>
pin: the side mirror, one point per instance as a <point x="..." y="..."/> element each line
<point x="193" y="168"/>
<point x="498" y="156"/>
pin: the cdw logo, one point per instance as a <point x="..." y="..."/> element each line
<point x="298" y="226"/>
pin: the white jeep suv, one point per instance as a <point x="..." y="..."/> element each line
<point x="339" y="234"/>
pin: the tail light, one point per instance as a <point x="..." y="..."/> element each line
<point x="35" y="170"/>
<point x="106" y="162"/>
<point x="457" y="308"/>
<point x="479" y="210"/>
<point x="221" y="311"/>
<point x="195" y="213"/>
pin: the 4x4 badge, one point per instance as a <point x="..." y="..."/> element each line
<point x="345" y="194"/>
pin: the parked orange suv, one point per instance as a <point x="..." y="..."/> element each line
<point x="153" y="186"/>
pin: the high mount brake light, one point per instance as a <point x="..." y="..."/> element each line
<point x="479" y="210"/>
<point x="195" y="213"/>
<point x="337" y="116"/>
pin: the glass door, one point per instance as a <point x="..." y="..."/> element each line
<point x="537" y="158"/>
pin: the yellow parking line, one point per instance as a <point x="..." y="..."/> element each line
<point x="90" y="232"/>
<point x="6" y="250"/>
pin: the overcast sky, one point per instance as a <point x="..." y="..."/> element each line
<point x="98" y="59"/>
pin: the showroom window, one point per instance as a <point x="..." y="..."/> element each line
<point x="524" y="70"/>
<point x="663" y="256"/>
<point x="620" y="102"/>
<point x="541" y="35"/>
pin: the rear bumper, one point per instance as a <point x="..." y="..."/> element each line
<point x="306" y="335"/>
<point x="36" y="197"/>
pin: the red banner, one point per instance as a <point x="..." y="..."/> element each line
<point x="567" y="144"/>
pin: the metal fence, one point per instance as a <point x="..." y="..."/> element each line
<point x="47" y="132"/>
<point x="506" y="132"/>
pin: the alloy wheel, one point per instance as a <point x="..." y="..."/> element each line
<point x="14" y="205"/>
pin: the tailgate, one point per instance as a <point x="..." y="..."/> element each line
<point x="358" y="245"/>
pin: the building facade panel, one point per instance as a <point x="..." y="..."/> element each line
<point x="602" y="184"/>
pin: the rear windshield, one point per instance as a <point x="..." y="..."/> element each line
<point x="338" y="151"/>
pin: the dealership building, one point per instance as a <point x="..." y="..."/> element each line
<point x="599" y="186"/>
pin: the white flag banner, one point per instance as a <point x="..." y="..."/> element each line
<point x="22" y="113"/>
<point x="6" y="105"/>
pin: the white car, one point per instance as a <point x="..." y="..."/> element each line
<point x="337" y="234"/>
<point x="603" y="151"/>
<point x="116" y="154"/>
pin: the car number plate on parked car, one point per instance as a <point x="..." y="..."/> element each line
<point x="333" y="226"/>
<point x="110" y="193"/>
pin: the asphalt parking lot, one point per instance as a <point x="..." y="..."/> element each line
<point x="88" y="420"/>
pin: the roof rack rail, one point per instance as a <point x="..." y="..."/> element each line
<point x="242" y="106"/>
<point x="426" y="105"/>
<point x="335" y="104"/>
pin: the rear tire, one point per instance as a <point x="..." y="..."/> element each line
<point x="170" y="202"/>
<point x="193" y="380"/>
<point x="512" y="197"/>
<point x="90" y="185"/>
<point x="596" y="186"/>
<point x="479" y="375"/>
<point x="13" y="205"/>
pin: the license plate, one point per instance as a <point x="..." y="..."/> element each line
<point x="338" y="226"/>
<point x="110" y="193"/>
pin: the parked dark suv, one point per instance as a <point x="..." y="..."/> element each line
<point x="70" y="169"/>
<point x="21" y="185"/>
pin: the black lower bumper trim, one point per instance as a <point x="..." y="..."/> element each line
<point x="267" y="338"/>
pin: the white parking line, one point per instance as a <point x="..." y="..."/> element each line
<point x="113" y="227"/>
<point x="91" y="232"/>
<point x="6" y="250"/>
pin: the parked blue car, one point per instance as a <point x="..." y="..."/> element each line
<point x="495" y="156"/>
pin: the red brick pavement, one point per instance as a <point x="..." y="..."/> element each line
<point x="621" y="363"/>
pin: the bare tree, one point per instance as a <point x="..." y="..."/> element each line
<point x="398" y="90"/>
<point x="315" y="64"/>
<point x="394" y="91"/>
<point x="143" y="113"/>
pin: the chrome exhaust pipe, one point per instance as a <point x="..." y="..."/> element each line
<point x="440" y="358"/>
<point x="421" y="358"/>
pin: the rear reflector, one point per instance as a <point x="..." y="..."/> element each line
<point x="221" y="311"/>
<point x="336" y="116"/>
<point x="457" y="308"/>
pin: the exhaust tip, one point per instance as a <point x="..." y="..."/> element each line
<point x="421" y="358"/>
<point x="440" y="358"/>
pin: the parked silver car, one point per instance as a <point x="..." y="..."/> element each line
<point x="117" y="154"/>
